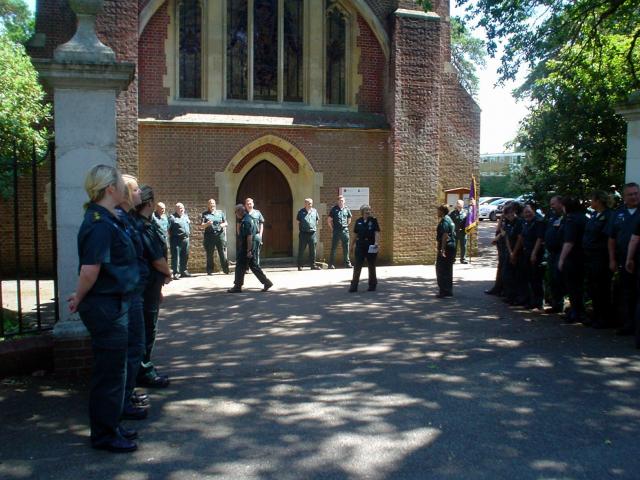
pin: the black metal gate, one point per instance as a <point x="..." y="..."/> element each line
<point x="28" y="250"/>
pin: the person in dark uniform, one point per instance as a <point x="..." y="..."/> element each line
<point x="338" y="221"/>
<point x="308" y="219"/>
<point x="446" y="256"/>
<point x="553" y="237"/>
<point x="501" y="245"/>
<point x="258" y="238"/>
<point x="594" y="244"/>
<point x="532" y="248"/>
<point x="245" y="254"/>
<point x="108" y="276"/>
<point x="155" y="252"/>
<point x="459" y="217"/>
<point x="366" y="247"/>
<point x="631" y="267"/>
<point x="571" y="261"/>
<point x="132" y="409"/>
<point x="215" y="236"/>
<point x="179" y="233"/>
<point x="514" y="280"/>
<point x="159" y="216"/>
<point x="620" y="228"/>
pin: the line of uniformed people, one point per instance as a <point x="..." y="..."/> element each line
<point x="582" y="253"/>
<point x="122" y="267"/>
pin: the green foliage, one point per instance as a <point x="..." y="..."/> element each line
<point x="467" y="54"/>
<point x="22" y="111"/>
<point x="499" y="186"/>
<point x="539" y="31"/>
<point x="574" y="140"/>
<point x="16" y="21"/>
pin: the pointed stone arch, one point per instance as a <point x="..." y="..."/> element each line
<point x="303" y="180"/>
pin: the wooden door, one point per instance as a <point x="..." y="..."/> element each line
<point x="272" y="196"/>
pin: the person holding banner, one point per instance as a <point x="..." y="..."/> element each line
<point x="446" y="255"/>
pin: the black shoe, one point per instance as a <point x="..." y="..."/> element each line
<point x="185" y="274"/>
<point x="353" y="289"/>
<point x="128" y="434"/>
<point x="153" y="380"/>
<point x="235" y="290"/>
<point x="316" y="267"/>
<point x="134" y="413"/>
<point x="226" y="271"/>
<point x="332" y="267"/>
<point x="117" y="445"/>
<point x="176" y="276"/>
<point x="372" y="288"/>
<point x="299" y="268"/>
<point x="267" y="285"/>
<point x="209" y="273"/>
<point x="441" y="295"/>
<point x="464" y="262"/>
<point x="140" y="400"/>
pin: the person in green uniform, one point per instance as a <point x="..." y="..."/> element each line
<point x="308" y="219"/>
<point x="338" y="221"/>
<point x="459" y="217"/>
<point x="215" y="236"/>
<point x="258" y="219"/>
<point x="446" y="255"/>
<point x="179" y="233"/>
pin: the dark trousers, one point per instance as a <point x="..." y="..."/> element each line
<point x="461" y="244"/>
<point x="573" y="275"/>
<point x="503" y="255"/>
<point x="242" y="263"/>
<point x="135" y="345"/>
<point x="362" y="254"/>
<point x="340" y="235"/>
<point x="557" y="282"/>
<point x="444" y="270"/>
<point x="514" y="280"/>
<point x="307" y="239"/>
<point x="534" y="279"/>
<point x="629" y="300"/>
<point x="151" y="309"/>
<point x="179" y="254"/>
<point x="211" y="244"/>
<point x="107" y="321"/>
<point x="599" y="288"/>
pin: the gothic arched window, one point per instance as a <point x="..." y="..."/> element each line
<point x="336" y="54"/>
<point x="237" y="49"/>
<point x="293" y="48"/>
<point x="190" y="48"/>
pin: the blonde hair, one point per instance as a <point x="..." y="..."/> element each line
<point x="129" y="180"/>
<point x="98" y="179"/>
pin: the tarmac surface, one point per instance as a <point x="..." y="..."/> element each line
<point x="308" y="381"/>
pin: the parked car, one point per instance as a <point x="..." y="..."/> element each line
<point x="490" y="211"/>
<point x="487" y="200"/>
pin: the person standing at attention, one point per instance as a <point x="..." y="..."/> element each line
<point x="179" y="232"/>
<point x="308" y="224"/>
<point x="446" y="252"/>
<point x="215" y="236"/>
<point x="339" y="220"/>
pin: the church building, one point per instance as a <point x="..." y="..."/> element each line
<point x="280" y="100"/>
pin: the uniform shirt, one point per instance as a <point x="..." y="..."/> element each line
<point x="179" y="226"/>
<point x="217" y="217"/>
<point x="162" y="221"/>
<point x="573" y="232"/>
<point x="554" y="233"/>
<point x="621" y="225"/>
<point x="247" y="227"/>
<point x="365" y="231"/>
<point x="134" y="230"/>
<point x="103" y="240"/>
<point x="308" y="220"/>
<point x="594" y="241"/>
<point x="257" y="218"/>
<point x="340" y="217"/>
<point x="513" y="230"/>
<point x="459" y="219"/>
<point x="155" y="247"/>
<point x="447" y="226"/>
<point x="531" y="232"/>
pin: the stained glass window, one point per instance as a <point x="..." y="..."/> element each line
<point x="293" y="41"/>
<point x="237" y="49"/>
<point x="265" y="50"/>
<point x="336" y="54"/>
<point x="190" y="21"/>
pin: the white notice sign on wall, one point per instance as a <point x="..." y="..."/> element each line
<point x="355" y="197"/>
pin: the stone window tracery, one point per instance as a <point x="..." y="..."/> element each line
<point x="190" y="49"/>
<point x="336" y="29"/>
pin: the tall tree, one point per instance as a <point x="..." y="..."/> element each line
<point x="16" y="20"/>
<point x="467" y="54"/>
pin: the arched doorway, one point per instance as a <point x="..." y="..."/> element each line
<point x="272" y="196"/>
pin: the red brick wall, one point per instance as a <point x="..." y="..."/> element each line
<point x="153" y="65"/>
<point x="372" y="68"/>
<point x="25" y="232"/>
<point x="180" y="163"/>
<point x="417" y="76"/>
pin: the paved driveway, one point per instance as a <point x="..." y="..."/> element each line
<point x="310" y="382"/>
